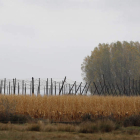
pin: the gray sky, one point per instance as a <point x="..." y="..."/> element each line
<point x="50" y="38"/>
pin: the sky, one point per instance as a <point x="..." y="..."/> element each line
<point x="50" y="38"/>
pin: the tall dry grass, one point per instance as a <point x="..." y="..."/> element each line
<point x="70" y="108"/>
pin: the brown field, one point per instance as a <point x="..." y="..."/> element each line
<point x="70" y="108"/>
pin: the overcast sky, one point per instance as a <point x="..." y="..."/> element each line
<point x="50" y="38"/>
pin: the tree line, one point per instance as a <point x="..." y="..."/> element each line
<point x="116" y="61"/>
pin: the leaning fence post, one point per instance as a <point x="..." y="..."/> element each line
<point x="78" y="88"/>
<point x="84" y="88"/>
<point x="96" y="88"/>
<point x="72" y="87"/>
<point x="88" y="87"/>
<point x="62" y="85"/>
<point x="63" y="88"/>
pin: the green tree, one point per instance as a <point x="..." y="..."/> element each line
<point x="117" y="61"/>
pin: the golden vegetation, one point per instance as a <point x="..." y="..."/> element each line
<point x="70" y="108"/>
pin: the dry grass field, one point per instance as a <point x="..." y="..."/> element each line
<point x="70" y="108"/>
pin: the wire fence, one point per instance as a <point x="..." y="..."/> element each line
<point x="49" y="86"/>
<point x="38" y="86"/>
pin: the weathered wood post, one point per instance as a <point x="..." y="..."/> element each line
<point x="47" y="87"/>
<point x="25" y="89"/>
<point x="32" y="86"/>
<point x="62" y="85"/>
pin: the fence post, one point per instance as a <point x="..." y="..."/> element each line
<point x="22" y="87"/>
<point x="59" y="88"/>
<point x="39" y="87"/>
<point x="1" y="86"/>
<point x="47" y="87"/>
<point x="51" y="87"/>
<point x="55" y="87"/>
<point x="88" y="87"/>
<point x="78" y="88"/>
<point x="75" y="88"/>
<point x="32" y="86"/>
<point x="136" y="88"/>
<point x="96" y="88"/>
<point x="84" y="88"/>
<point x="62" y="85"/>
<point x="102" y="88"/>
<point x="25" y="89"/>
<point x="72" y="87"/>
<point x="63" y="88"/>
<point x="4" y="85"/>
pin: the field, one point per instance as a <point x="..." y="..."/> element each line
<point x="68" y="108"/>
<point x="88" y="117"/>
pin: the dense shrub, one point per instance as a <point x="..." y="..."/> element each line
<point x="133" y="120"/>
